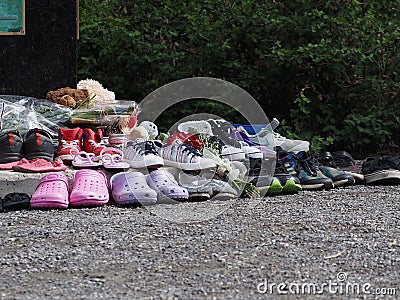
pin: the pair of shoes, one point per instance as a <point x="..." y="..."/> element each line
<point x="155" y="154"/>
<point x="89" y="188"/>
<point x="343" y="161"/>
<point x="267" y="185"/>
<point x="110" y="158"/>
<point x="219" y="131"/>
<point x="133" y="188"/>
<point x="15" y="201"/>
<point x="330" y="170"/>
<point x="74" y="140"/>
<point x="302" y="166"/>
<point x="223" y="131"/>
<point x="383" y="170"/>
<point x="35" y="143"/>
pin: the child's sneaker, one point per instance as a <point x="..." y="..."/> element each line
<point x="93" y="142"/>
<point x="10" y="147"/>
<point x="182" y="156"/>
<point x="142" y="154"/>
<point x="69" y="143"/>
<point x="302" y="166"/>
<point x="38" y="143"/>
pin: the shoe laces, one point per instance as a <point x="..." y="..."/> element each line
<point x="69" y="144"/>
<point x="308" y="165"/>
<point x="149" y="148"/>
<point x="96" y="145"/>
<point x="190" y="151"/>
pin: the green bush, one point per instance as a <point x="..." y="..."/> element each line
<point x="329" y="68"/>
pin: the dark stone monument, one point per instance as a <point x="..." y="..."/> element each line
<point x="44" y="58"/>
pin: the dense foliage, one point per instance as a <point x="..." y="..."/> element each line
<point x="329" y="68"/>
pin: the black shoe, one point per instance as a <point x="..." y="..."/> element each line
<point x="381" y="170"/>
<point x="16" y="201"/>
<point x="10" y="147"/>
<point x="38" y="143"/>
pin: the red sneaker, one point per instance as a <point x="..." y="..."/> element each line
<point x="187" y="138"/>
<point x="69" y="139"/>
<point x="93" y="142"/>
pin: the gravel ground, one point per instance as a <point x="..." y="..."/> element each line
<point x="244" y="249"/>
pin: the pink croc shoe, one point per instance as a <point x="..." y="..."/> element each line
<point x="52" y="192"/>
<point x="89" y="188"/>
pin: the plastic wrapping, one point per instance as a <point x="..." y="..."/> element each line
<point x="104" y="113"/>
<point x="24" y="113"/>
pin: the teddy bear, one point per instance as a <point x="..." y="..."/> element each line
<point x="67" y="96"/>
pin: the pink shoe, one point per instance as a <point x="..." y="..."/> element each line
<point x="9" y="166"/>
<point x="40" y="165"/>
<point x="89" y="188"/>
<point x="52" y="192"/>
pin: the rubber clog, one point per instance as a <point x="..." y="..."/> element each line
<point x="51" y="192"/>
<point x="166" y="186"/>
<point x="89" y="188"/>
<point x="129" y="188"/>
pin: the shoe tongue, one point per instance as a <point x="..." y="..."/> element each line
<point x="70" y="134"/>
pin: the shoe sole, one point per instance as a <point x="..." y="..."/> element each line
<point x="383" y="177"/>
<point x="291" y="187"/>
<point x="359" y="178"/>
<point x="49" y="205"/>
<point x="88" y="202"/>
<point x="317" y="186"/>
<point x="190" y="166"/>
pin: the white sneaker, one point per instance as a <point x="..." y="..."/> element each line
<point x="233" y="153"/>
<point x="142" y="154"/>
<point x="268" y="137"/>
<point x="183" y="156"/>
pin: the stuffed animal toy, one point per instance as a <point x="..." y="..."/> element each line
<point x="151" y="128"/>
<point x="67" y="96"/>
<point x="96" y="90"/>
<point x="138" y="132"/>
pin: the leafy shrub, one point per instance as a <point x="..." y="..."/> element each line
<point x="329" y="68"/>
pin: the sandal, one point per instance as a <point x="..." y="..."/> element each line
<point x="84" y="159"/>
<point x="52" y="192"/>
<point x="89" y="188"/>
<point x="112" y="158"/>
<point x="165" y="185"/>
<point x="131" y="188"/>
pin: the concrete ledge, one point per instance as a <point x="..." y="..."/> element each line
<point x="19" y="182"/>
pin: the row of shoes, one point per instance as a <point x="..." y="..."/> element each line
<point x="91" y="188"/>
